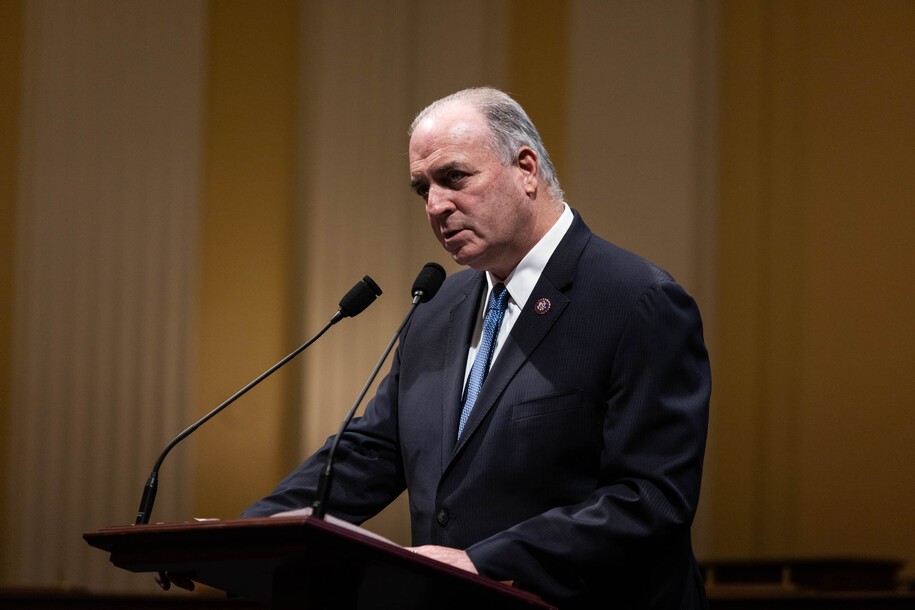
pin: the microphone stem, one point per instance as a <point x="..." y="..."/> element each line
<point x="152" y="483"/>
<point x="325" y="480"/>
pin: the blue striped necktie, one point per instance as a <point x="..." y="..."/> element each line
<point x="498" y="300"/>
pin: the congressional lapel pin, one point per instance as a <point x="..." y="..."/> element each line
<point x="542" y="306"/>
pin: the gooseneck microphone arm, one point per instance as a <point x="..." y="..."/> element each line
<point x="353" y="303"/>
<point x="319" y="507"/>
<point x="425" y="286"/>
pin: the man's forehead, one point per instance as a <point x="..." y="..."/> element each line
<point x="455" y="123"/>
<point x="448" y="138"/>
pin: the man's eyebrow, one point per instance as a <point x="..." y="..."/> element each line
<point x="447" y="167"/>
<point x="441" y="170"/>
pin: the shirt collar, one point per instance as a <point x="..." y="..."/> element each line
<point x="521" y="281"/>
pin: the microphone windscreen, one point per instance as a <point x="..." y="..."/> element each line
<point x="428" y="281"/>
<point x="359" y="297"/>
<point x="371" y="284"/>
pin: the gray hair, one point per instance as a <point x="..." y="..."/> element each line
<point x="509" y="126"/>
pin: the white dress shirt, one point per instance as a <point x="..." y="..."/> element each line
<point x="519" y="284"/>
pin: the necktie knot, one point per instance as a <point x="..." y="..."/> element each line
<point x="498" y="299"/>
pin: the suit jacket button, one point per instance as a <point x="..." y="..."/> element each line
<point x="442" y="517"/>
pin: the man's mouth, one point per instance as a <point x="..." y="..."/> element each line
<point x="447" y="234"/>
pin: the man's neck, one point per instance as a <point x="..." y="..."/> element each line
<point x="546" y="220"/>
<point x="535" y="243"/>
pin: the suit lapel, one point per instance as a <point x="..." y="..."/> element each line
<point x="527" y="333"/>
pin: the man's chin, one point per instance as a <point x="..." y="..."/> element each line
<point x="468" y="256"/>
<point x="462" y="257"/>
<point x="474" y="262"/>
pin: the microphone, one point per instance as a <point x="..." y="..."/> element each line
<point x="428" y="282"/>
<point x="425" y="286"/>
<point x="352" y="304"/>
<point x="357" y="299"/>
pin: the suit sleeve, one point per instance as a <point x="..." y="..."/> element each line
<point x="368" y="470"/>
<point x="654" y="435"/>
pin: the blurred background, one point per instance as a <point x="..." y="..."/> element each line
<point x="188" y="187"/>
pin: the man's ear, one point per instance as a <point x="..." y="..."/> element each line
<point x="529" y="165"/>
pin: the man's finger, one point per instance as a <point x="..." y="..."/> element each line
<point x="182" y="581"/>
<point x="167" y="579"/>
<point x="162" y="580"/>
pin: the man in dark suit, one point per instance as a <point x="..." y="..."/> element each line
<point x="547" y="411"/>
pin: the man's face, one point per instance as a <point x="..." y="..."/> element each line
<point x="478" y="207"/>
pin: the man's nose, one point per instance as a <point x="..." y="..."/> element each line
<point x="438" y="201"/>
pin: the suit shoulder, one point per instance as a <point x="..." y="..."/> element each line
<point x="605" y="262"/>
<point x="620" y="283"/>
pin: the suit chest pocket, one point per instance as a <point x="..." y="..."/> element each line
<point x="565" y="426"/>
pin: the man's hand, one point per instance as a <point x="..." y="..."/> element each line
<point x="165" y="580"/>
<point x="453" y="557"/>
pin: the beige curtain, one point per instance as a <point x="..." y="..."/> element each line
<point x="106" y="258"/>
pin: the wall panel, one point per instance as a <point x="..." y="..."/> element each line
<point x="248" y="280"/>
<point x="857" y="469"/>
<point x="815" y="454"/>
<point x="10" y="60"/>
<point x="105" y="263"/>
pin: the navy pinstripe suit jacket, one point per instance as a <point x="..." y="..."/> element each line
<point x="578" y="472"/>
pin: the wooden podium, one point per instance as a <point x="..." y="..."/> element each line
<point x="304" y="562"/>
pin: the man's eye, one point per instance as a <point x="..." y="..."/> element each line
<point x="455" y="176"/>
<point x="422" y="190"/>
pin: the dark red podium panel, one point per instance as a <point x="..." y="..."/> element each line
<point x="303" y="562"/>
